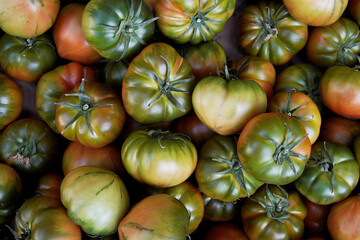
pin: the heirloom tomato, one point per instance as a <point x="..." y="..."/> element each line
<point x="158" y="84"/>
<point x="191" y="21"/>
<point x="11" y="100"/>
<point x="27" y="59"/>
<point x="225" y="231"/>
<point x="218" y="211"/>
<point x="315" y="220"/>
<point x="159" y="158"/>
<point x="114" y="72"/>
<point x="269" y="31"/>
<point x="331" y="174"/>
<point x="354" y="10"/>
<point x="49" y="186"/>
<point x="274" y="148"/>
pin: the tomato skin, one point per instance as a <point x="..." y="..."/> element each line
<point x="315" y="220"/>
<point x="343" y="220"/>
<point x="53" y="84"/>
<point x="158" y="216"/>
<point x="11" y="100"/>
<point x="95" y="198"/>
<point x="283" y="40"/>
<point x="49" y="186"/>
<point x="159" y="159"/>
<point x="27" y="59"/>
<point x="28" y="19"/>
<point x="339" y="90"/>
<point x="175" y="23"/>
<point x="336" y="43"/>
<point x="217" y="210"/>
<point x="354" y="10"/>
<point x="225" y="231"/>
<point x="69" y="38"/>
<point x="316" y="13"/>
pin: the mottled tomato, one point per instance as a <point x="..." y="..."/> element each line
<point x="217" y="210"/>
<point x="69" y="38"/>
<point x="49" y="186"/>
<point x="11" y="100"/>
<point x="225" y="231"/>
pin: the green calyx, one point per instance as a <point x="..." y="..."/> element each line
<point x="165" y="135"/>
<point x="228" y="74"/>
<point x="283" y="151"/>
<point x="198" y="22"/>
<point x="276" y="209"/>
<point x="31" y="43"/>
<point x="167" y="87"/>
<point x="25" y="233"/>
<point x="290" y="112"/>
<point x="84" y="107"/>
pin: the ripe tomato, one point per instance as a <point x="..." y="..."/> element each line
<point x="315" y="220"/>
<point x="225" y="231"/>
<point x="354" y="10"/>
<point x="217" y="210"/>
<point x="49" y="186"/>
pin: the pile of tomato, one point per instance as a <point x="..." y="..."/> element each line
<point x="127" y="119"/>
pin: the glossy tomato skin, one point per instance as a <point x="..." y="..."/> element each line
<point x="269" y="31"/>
<point x="53" y="84"/>
<point x="27" y="59"/>
<point x="164" y="91"/>
<point x="219" y="172"/>
<point x="267" y="141"/>
<point x="159" y="158"/>
<point x="95" y="198"/>
<point x="158" y="216"/>
<point x="331" y="174"/>
<point x="316" y="13"/>
<point x="336" y="43"/>
<point x="49" y="186"/>
<point x="28" y="19"/>
<point x="11" y="99"/>
<point x="122" y="33"/>
<point x="225" y="231"/>
<point x="114" y="72"/>
<point x="191" y="21"/>
<point x="218" y="211"/>
<point x="69" y="38"/>
<point x="29" y="146"/>
<point x="343" y="220"/>
<point x="315" y="220"/>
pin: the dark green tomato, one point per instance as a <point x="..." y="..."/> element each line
<point x="26" y="59"/>
<point x="159" y="158"/>
<point x="272" y="213"/>
<point x="10" y="191"/>
<point x="269" y="31"/>
<point x="330" y="175"/>
<point x="92" y="114"/>
<point x="53" y="84"/>
<point x="219" y="172"/>
<point x="191" y="198"/>
<point x="114" y="72"/>
<point x="274" y="148"/>
<point x="44" y="218"/>
<point x="217" y="210"/>
<point x="158" y="84"/>
<point x="11" y="100"/>
<point x="335" y="43"/>
<point x="117" y="29"/>
<point x="29" y="146"/>
<point x="191" y="21"/>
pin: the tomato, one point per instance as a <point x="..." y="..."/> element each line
<point x="191" y="198"/>
<point x="69" y="38"/>
<point x="354" y="10"/>
<point x="117" y="29"/>
<point x="27" y="59"/>
<point x="114" y="72"/>
<point x="29" y="146"/>
<point x="53" y="84"/>
<point x="316" y="13"/>
<point x="257" y="69"/>
<point x="219" y="172"/>
<point x="158" y="216"/>
<point x="164" y="91"/>
<point x="92" y="114"/>
<point x="357" y="148"/>
<point x="330" y="175"/>
<point x="159" y="158"/>
<point x="77" y="155"/>
<point x="205" y="58"/>
<point x="95" y="198"/>
<point x="191" y="21"/>
<point x="315" y="220"/>
<point x="49" y="186"/>
<point x="272" y="213"/>
<point x="340" y="130"/>
<point x="304" y="78"/>
<point x="336" y="43"/>
<point x="231" y="8"/>
<point x="225" y="103"/>
<point x="225" y="231"/>
<point x="44" y="218"/>
<point x="344" y="219"/>
<point x="28" y="19"/>
<point x="10" y="192"/>
<point x="11" y="100"/>
<point x="299" y="106"/>
<point x="269" y="31"/>
<point x="274" y="148"/>
<point x="217" y="210"/>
